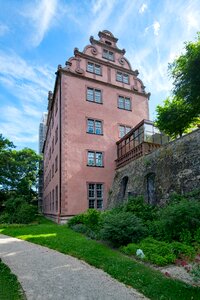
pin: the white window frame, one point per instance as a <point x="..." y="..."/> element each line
<point x="121" y="77"/>
<point x="92" y="159"/>
<point x="94" y="68"/>
<point x="94" y="127"/>
<point x="122" y="103"/>
<point x="107" y="54"/>
<point x="126" y="129"/>
<point x="94" y="95"/>
<point x="93" y="186"/>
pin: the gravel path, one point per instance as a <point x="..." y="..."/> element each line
<point x="47" y="274"/>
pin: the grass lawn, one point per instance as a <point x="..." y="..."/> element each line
<point x="149" y="282"/>
<point x="10" y="288"/>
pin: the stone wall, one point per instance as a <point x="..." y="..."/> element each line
<point x="174" y="167"/>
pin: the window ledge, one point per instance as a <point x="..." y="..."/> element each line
<point x="125" y="109"/>
<point x="95" y="166"/>
<point x="94" y="102"/>
<point x="94" y="73"/>
<point x="94" y="133"/>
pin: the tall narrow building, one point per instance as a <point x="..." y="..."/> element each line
<point x="97" y="99"/>
<point x="42" y="136"/>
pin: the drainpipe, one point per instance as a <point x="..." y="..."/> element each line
<point x="60" y="148"/>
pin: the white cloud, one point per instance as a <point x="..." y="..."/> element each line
<point x="29" y="84"/>
<point x="156" y="27"/>
<point x="16" y="71"/>
<point x="105" y="9"/>
<point x="41" y="16"/>
<point x="129" y="9"/>
<point x="97" y="5"/>
<point x="3" y="29"/>
<point x="18" y="126"/>
<point x="142" y="8"/>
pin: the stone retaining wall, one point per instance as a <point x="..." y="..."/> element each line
<point x="174" y="167"/>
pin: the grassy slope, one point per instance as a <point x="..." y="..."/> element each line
<point x="10" y="288"/>
<point x="149" y="282"/>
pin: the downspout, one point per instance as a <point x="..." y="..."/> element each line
<point x="60" y="136"/>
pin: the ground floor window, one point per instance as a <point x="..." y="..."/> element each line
<point x="95" y="195"/>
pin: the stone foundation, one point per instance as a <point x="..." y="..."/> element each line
<point x="175" y="167"/>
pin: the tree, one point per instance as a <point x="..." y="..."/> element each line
<point x="174" y="117"/>
<point x="18" y="169"/>
<point x="182" y="111"/>
<point x="186" y="76"/>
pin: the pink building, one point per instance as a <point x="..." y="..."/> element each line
<point x="97" y="99"/>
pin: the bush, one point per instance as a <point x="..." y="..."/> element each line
<point x="91" y="219"/>
<point x="180" y="220"/>
<point x="183" y="251"/>
<point x="18" y="211"/>
<point x="140" y="208"/>
<point x="25" y="214"/>
<point x="122" y="228"/>
<point x="81" y="228"/>
<point x="78" y="219"/>
<point x="156" y="252"/>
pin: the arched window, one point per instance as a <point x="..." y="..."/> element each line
<point x="123" y="187"/>
<point x="150" y="184"/>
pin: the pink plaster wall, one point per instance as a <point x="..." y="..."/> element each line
<point x="75" y="174"/>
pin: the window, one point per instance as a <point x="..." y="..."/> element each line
<point x="123" y="129"/>
<point x="56" y="198"/>
<point x="56" y="106"/>
<point x="52" y="121"/>
<point x="56" y="135"/>
<point x="50" y="153"/>
<point x="56" y="164"/>
<point x="53" y="200"/>
<point x="122" y="77"/>
<point x="94" y="68"/>
<point x="94" y="95"/>
<point x="94" y="126"/>
<point x="95" y="159"/>
<point x="124" y="103"/>
<point x="95" y="195"/>
<point x="52" y="146"/>
<point x="108" y="54"/>
<point x="52" y="170"/>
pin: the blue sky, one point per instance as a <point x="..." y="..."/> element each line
<point x="37" y="35"/>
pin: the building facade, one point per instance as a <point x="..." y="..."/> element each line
<point x="42" y="136"/>
<point x="97" y="99"/>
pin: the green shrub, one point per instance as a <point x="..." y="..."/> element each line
<point x="81" y="228"/>
<point x="177" y="219"/>
<point x="26" y="214"/>
<point x="4" y="218"/>
<point x="78" y="219"/>
<point x="156" y="252"/>
<point x="140" y="208"/>
<point x="197" y="236"/>
<point x="91" y="219"/>
<point x="186" y="237"/>
<point x="181" y="250"/>
<point x="17" y="210"/>
<point x="122" y="228"/>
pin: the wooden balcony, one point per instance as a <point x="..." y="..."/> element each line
<point x="141" y="140"/>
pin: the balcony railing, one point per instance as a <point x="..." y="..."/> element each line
<point x="141" y="140"/>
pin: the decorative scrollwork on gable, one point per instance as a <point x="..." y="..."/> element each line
<point x="79" y="71"/>
<point x="94" y="51"/>
<point x="121" y="60"/>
